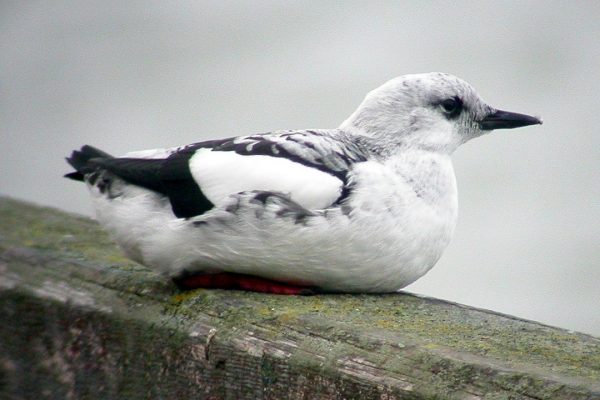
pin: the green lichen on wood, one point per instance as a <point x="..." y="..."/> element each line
<point x="446" y="325"/>
<point x="68" y="282"/>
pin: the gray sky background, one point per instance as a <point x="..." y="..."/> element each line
<point x="143" y="74"/>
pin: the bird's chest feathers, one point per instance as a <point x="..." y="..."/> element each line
<point x="416" y="188"/>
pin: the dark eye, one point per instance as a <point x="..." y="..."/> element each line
<point x="452" y="107"/>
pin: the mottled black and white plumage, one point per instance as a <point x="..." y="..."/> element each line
<point x="366" y="207"/>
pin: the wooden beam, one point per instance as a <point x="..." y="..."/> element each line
<point x="80" y="321"/>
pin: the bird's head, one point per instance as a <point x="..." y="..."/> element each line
<point x="434" y="111"/>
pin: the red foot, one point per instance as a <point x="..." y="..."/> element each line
<point x="226" y="280"/>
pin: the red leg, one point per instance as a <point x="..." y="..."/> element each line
<point x="225" y="280"/>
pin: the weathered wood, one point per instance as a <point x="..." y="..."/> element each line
<point x="80" y="321"/>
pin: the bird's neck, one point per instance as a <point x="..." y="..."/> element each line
<point x="385" y="147"/>
<point x="390" y="142"/>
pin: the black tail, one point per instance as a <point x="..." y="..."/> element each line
<point x="168" y="176"/>
<point x="80" y="160"/>
<point x="137" y="171"/>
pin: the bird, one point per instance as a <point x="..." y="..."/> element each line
<point x="368" y="207"/>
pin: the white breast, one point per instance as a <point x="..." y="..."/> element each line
<point x="407" y="211"/>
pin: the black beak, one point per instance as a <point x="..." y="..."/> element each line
<point x="507" y="120"/>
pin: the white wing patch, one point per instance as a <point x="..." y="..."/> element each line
<point x="223" y="173"/>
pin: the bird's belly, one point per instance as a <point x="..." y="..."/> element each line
<point x="359" y="252"/>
